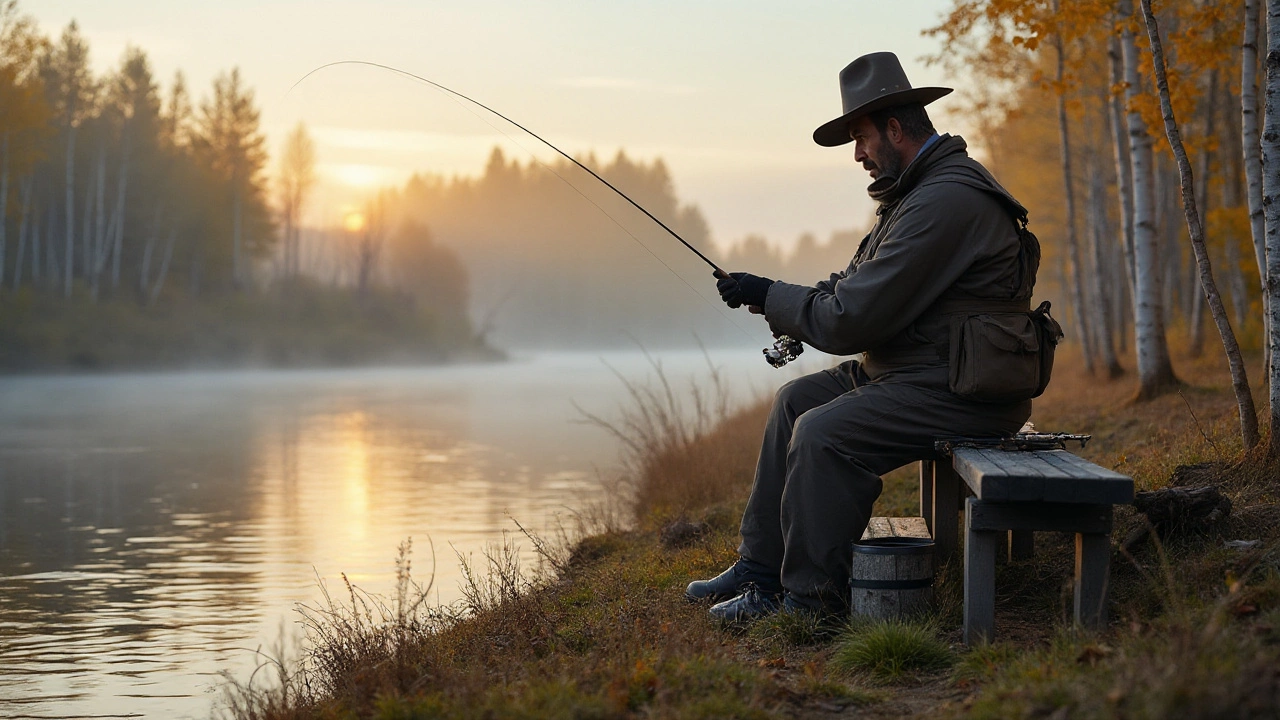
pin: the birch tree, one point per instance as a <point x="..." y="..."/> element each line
<point x="70" y="87"/>
<point x="1076" y="280"/>
<point x="1271" y="209"/>
<point x="297" y="177"/>
<point x="1252" y="144"/>
<point x="1155" y="371"/>
<point x="1239" y="377"/>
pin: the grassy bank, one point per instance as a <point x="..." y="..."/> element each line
<point x="603" y="630"/>
<point x="302" y="324"/>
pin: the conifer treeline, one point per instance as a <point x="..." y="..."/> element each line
<point x="557" y="258"/>
<point x="110" y="188"/>
<point x="116" y="192"/>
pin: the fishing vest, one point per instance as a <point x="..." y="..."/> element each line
<point x="997" y="350"/>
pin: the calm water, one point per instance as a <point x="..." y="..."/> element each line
<point x="156" y="529"/>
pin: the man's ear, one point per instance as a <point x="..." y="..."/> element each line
<point x="893" y="129"/>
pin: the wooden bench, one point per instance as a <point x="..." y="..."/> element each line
<point x="1012" y="494"/>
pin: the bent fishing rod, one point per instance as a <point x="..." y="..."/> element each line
<point x="784" y="350"/>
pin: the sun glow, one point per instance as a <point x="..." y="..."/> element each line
<point x="353" y="222"/>
<point x="360" y="176"/>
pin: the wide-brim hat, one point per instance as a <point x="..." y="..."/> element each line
<point x="872" y="82"/>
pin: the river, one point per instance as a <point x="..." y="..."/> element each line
<point x="156" y="530"/>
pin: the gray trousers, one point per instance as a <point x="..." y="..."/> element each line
<point x="829" y="438"/>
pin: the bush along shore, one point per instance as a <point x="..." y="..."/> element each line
<point x="603" y="630"/>
<point x="296" y="324"/>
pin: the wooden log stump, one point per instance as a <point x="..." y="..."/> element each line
<point x="892" y="570"/>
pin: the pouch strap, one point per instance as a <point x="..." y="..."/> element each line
<point x="941" y="351"/>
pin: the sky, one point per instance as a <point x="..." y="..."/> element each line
<point x="727" y="93"/>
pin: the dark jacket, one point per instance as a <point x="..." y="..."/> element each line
<point x="945" y="229"/>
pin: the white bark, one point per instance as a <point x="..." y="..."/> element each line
<point x="1196" y="316"/>
<point x="122" y="187"/>
<point x="1076" y="284"/>
<point x="71" y="207"/>
<point x="236" y="218"/>
<point x="1271" y="208"/>
<point x="164" y="268"/>
<point x="1124" y="168"/>
<point x="94" y="266"/>
<point x="23" y="224"/>
<point x="1155" y="372"/>
<point x="1250" y="139"/>
<point x="1100" y="300"/>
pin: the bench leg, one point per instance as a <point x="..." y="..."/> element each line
<point x="946" y="511"/>
<point x="979" y="581"/>
<point x="1093" y="568"/>
<point x="1022" y="545"/>
<point x="926" y="493"/>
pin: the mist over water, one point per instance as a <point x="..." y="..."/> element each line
<point x="156" y="528"/>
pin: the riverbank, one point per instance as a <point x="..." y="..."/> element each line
<point x="303" y="324"/>
<point x="604" y="631"/>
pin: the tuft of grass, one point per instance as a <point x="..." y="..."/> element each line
<point x="794" y="629"/>
<point x="887" y="650"/>
<point x="982" y="662"/>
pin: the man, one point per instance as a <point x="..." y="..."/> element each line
<point x="946" y="234"/>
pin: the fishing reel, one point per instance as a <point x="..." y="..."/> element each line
<point x="784" y="350"/>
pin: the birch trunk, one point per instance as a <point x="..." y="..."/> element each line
<point x="1271" y="208"/>
<point x="164" y="267"/>
<point x="1124" y="167"/>
<point x="35" y="249"/>
<point x="1202" y="204"/>
<point x="1101" y="299"/>
<point x="144" y="272"/>
<point x="1235" y="280"/>
<point x="71" y="207"/>
<point x="86" y="232"/>
<point x="122" y="187"/>
<point x="235" y="236"/>
<point x="1251" y="143"/>
<point x="1079" y="307"/>
<point x="1155" y="372"/>
<point x="100" y="225"/>
<point x="22" y="231"/>
<point x="1239" y="377"/>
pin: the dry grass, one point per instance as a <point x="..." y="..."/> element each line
<point x="603" y="630"/>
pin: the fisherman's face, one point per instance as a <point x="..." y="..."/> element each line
<point x="872" y="148"/>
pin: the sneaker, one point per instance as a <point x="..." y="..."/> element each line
<point x="748" y="607"/>
<point x="731" y="583"/>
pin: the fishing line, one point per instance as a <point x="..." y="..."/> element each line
<point x="552" y="170"/>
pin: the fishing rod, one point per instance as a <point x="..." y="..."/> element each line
<point x="784" y="350"/>
<point x="719" y="272"/>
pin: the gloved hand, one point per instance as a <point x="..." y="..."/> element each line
<point x="743" y="289"/>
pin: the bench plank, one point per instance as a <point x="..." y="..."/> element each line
<point x="1039" y="476"/>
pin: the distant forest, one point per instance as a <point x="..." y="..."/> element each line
<point x="138" y="227"/>
<point x="560" y="260"/>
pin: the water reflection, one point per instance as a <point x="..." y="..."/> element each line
<point x="156" y="529"/>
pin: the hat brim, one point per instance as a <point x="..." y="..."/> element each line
<point x="836" y="132"/>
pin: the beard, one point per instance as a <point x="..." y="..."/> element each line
<point x="890" y="159"/>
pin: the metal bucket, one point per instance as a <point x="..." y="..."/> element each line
<point x="891" y="577"/>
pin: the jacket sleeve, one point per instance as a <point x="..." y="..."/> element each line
<point x="923" y="253"/>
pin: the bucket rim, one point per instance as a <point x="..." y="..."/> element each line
<point x="893" y="546"/>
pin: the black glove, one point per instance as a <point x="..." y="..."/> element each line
<point x="743" y="289"/>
